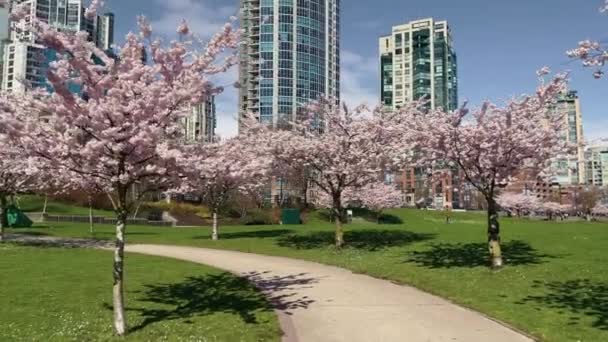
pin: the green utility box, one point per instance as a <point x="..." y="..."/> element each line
<point x="17" y="219"/>
<point x="290" y="216"/>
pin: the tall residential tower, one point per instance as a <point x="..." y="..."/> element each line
<point x="200" y="122"/>
<point x="572" y="171"/>
<point x="25" y="61"/>
<point x="418" y="61"/>
<point x="290" y="55"/>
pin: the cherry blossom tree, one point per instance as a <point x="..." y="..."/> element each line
<point x="592" y="53"/>
<point x="600" y="210"/>
<point x="377" y="197"/>
<point x="17" y="174"/>
<point x="518" y="202"/>
<point x="493" y="144"/>
<point x="584" y="199"/>
<point x="554" y="209"/>
<point x="218" y="172"/>
<point x="343" y="149"/>
<point x="122" y="127"/>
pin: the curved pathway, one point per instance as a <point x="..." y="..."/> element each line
<point x="318" y="303"/>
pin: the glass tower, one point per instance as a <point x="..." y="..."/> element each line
<point x="289" y="56"/>
<point x="418" y="61"/>
<point x="571" y="171"/>
<point x="25" y="60"/>
<point x="200" y="122"/>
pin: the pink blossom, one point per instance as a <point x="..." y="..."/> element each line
<point x="600" y="210"/>
<point x="124" y="136"/>
<point x="591" y="53"/>
<point x="543" y="71"/>
<point x="218" y="172"/>
<point x="518" y="202"/>
<point x="344" y="149"/>
<point x="183" y="28"/>
<point x="145" y="29"/>
<point x="93" y="8"/>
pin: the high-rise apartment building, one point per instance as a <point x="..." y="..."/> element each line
<point x="290" y="55"/>
<point x="4" y="35"/>
<point x="104" y="33"/>
<point x="418" y="61"/>
<point x="25" y="62"/>
<point x="571" y="171"/>
<point x="200" y="122"/>
<point x="596" y="160"/>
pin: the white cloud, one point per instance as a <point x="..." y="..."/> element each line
<point x="226" y="104"/>
<point x="359" y="79"/>
<point x="205" y="18"/>
<point x="359" y="74"/>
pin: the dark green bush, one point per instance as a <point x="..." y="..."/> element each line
<point x="257" y="217"/>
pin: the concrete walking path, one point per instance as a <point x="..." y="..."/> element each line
<point x="318" y="303"/>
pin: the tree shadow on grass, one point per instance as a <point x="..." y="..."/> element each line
<point x="254" y="234"/>
<point x="448" y="255"/>
<point x="375" y="217"/>
<point x="365" y="214"/>
<point x="582" y="297"/>
<point x="42" y="241"/>
<point x="370" y="240"/>
<point x="27" y="233"/>
<point x="200" y="296"/>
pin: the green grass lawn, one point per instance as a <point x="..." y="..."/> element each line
<point x="35" y="204"/>
<point x="54" y="294"/>
<point x="554" y="285"/>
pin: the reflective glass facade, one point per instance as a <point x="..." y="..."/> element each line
<point x="289" y="56"/>
<point x="417" y="61"/>
<point x="27" y="60"/>
<point x="572" y="170"/>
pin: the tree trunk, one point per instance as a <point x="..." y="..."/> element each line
<point x="337" y="203"/>
<point x="46" y="200"/>
<point x="494" y="235"/>
<point x="214" y="232"/>
<point x="339" y="233"/>
<point x="90" y="215"/>
<point x="120" y="324"/>
<point x="3" y="218"/>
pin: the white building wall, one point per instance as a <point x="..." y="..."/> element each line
<point x="199" y="123"/>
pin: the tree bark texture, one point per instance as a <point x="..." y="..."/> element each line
<point x="46" y="200"/>
<point x="120" y="324"/>
<point x="337" y="204"/>
<point x="214" y="232"/>
<point x="90" y="215"/>
<point x="494" y="235"/>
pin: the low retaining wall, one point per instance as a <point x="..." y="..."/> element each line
<point x="40" y="217"/>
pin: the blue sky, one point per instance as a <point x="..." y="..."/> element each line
<point x="500" y="44"/>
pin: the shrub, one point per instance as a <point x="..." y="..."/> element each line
<point x="257" y="217"/>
